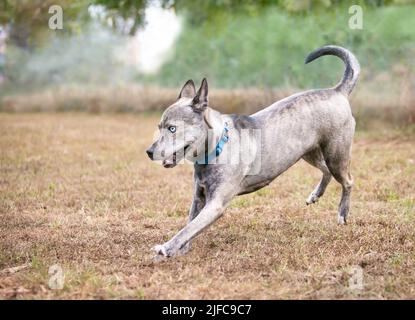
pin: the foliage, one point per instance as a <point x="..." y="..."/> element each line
<point x="268" y="48"/>
<point x="28" y="18"/>
<point x="81" y="58"/>
<point x="121" y="11"/>
<point x="238" y="43"/>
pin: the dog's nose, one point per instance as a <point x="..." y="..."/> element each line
<point x="150" y="153"/>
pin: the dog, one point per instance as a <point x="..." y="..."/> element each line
<point x="315" y="125"/>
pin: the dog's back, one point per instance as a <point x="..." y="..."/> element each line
<point x="313" y="97"/>
<point x="315" y="125"/>
<point x="310" y="118"/>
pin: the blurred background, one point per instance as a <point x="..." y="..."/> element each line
<point x="133" y="56"/>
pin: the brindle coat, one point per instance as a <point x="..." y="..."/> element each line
<point x="316" y="125"/>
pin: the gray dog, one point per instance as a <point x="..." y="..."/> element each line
<point x="316" y="125"/>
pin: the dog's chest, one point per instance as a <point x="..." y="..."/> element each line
<point x="208" y="176"/>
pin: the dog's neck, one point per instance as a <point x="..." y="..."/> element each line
<point x="215" y="127"/>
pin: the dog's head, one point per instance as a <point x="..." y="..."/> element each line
<point x="183" y="126"/>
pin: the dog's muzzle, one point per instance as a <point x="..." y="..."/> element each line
<point x="170" y="161"/>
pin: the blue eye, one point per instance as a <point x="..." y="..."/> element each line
<point x="172" y="129"/>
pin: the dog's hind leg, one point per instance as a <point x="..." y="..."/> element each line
<point x="316" y="159"/>
<point x="337" y="158"/>
<point x="343" y="176"/>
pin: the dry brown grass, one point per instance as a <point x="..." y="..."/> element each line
<point x="371" y="102"/>
<point x="77" y="190"/>
<point x="132" y="98"/>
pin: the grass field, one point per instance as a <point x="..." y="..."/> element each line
<point x="77" y="190"/>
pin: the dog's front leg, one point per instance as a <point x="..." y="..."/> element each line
<point x="210" y="212"/>
<point x="198" y="202"/>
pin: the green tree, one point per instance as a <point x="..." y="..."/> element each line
<point x="28" y="19"/>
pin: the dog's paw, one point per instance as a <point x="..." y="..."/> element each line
<point x="161" y="253"/>
<point x="312" y="198"/>
<point x="160" y="250"/>
<point x="341" y="220"/>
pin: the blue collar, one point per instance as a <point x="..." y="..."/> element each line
<point x="219" y="147"/>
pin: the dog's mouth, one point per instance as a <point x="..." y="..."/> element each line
<point x="174" y="159"/>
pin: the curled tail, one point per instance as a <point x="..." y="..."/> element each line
<point x="352" y="71"/>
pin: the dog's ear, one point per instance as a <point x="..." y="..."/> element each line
<point x="200" y="101"/>
<point x="188" y="90"/>
<point x="212" y="119"/>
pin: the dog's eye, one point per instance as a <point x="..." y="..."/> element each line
<point x="172" y="129"/>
